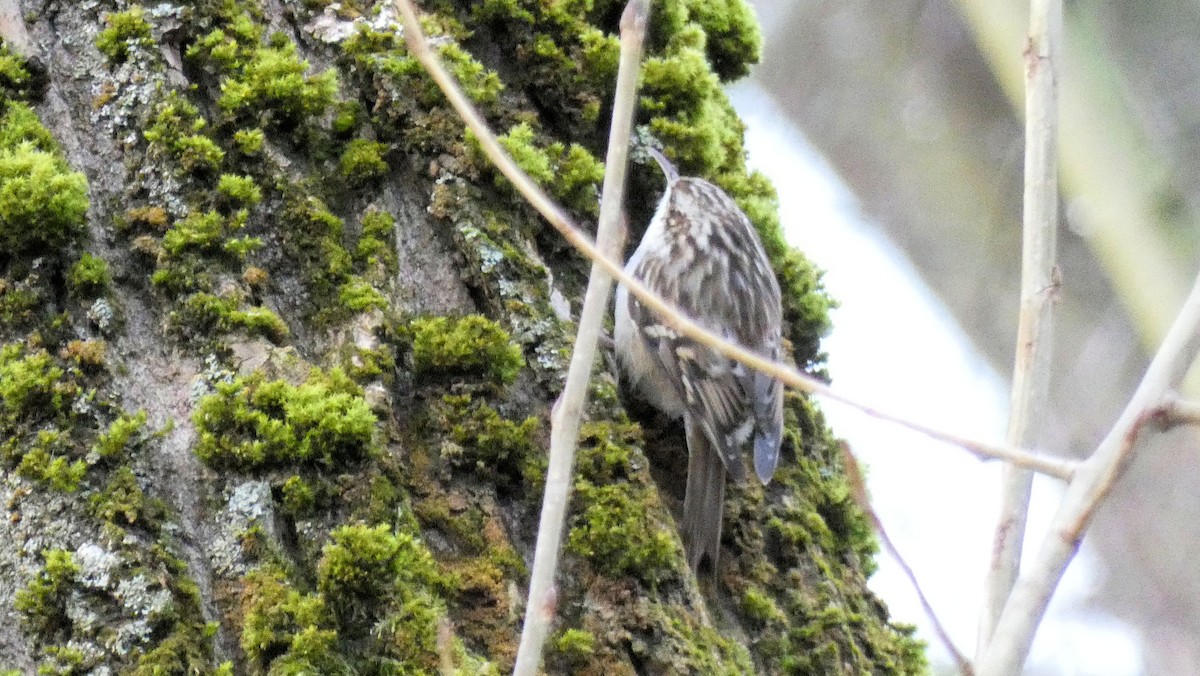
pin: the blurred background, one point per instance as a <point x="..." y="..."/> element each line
<point x="893" y="133"/>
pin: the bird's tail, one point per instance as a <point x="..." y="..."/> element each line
<point x="704" y="501"/>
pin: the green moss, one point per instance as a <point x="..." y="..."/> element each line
<point x="376" y="245"/>
<point x="89" y="277"/>
<point x="519" y="143"/>
<point x="569" y="173"/>
<point x="122" y="501"/>
<point x="14" y="75"/>
<point x="285" y="631"/>
<point x="273" y="87"/>
<point x="298" y="498"/>
<point x="411" y="106"/>
<point x="252" y="423"/>
<point x="375" y="610"/>
<point x="760" y="607"/>
<point x="733" y="40"/>
<point x="185" y="650"/>
<point x="175" y="129"/>
<point x="249" y="142"/>
<point x="21" y="125"/>
<point x="31" y="385"/>
<point x="616" y="522"/>
<point x="196" y="233"/>
<point x="357" y="295"/>
<point x="43" y="604"/>
<point x="312" y="241"/>
<point x="240" y="191"/>
<point x="472" y="345"/>
<point x="115" y="441"/>
<point x="576" y="644"/>
<point x="42" y="202"/>
<point x="579" y="176"/>
<point x="616" y="532"/>
<point x="199" y="154"/>
<point x="204" y="314"/>
<point x="362" y="162"/>
<point x="45" y="461"/>
<point x="479" y="84"/>
<point x="365" y="569"/>
<point x="484" y="439"/>
<point x="121" y="30"/>
<point x="347" y="118"/>
<point x="19" y="304"/>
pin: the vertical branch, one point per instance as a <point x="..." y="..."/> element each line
<point x="1031" y="369"/>
<point x="539" y="610"/>
<point x="1093" y="481"/>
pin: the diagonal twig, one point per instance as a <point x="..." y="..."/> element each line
<point x="858" y="488"/>
<point x="1093" y="481"/>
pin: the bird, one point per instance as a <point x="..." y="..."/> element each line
<point x="702" y="255"/>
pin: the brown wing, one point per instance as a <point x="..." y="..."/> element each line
<point x="732" y="293"/>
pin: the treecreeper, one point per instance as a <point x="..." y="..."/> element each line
<point x="702" y="255"/>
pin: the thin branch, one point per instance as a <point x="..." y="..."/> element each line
<point x="858" y="488"/>
<point x="565" y="426"/>
<point x="1042" y="464"/>
<point x="1176" y="411"/>
<point x="1039" y="289"/>
<point x="1093" y="481"/>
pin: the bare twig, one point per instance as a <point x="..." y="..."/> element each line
<point x="1176" y="411"/>
<point x="858" y="488"/>
<point x="565" y="425"/>
<point x="1093" y="480"/>
<point x="1042" y="464"/>
<point x="1039" y="288"/>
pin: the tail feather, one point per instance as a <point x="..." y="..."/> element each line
<point x="704" y="501"/>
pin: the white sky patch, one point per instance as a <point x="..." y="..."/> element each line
<point x="895" y="347"/>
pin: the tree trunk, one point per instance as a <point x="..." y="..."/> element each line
<point x="274" y="386"/>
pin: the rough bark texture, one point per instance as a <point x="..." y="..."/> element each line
<point x="273" y="389"/>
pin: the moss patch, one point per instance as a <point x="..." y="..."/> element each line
<point x="122" y="30"/>
<point x="473" y="345"/>
<point x="251" y="423"/>
<point x="42" y="202"/>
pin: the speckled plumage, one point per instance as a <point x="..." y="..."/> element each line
<point x="702" y="255"/>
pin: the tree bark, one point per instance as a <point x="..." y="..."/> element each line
<point x="345" y="333"/>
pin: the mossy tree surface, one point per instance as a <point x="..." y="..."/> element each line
<point x="347" y="333"/>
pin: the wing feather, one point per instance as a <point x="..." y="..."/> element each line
<point x="737" y="297"/>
